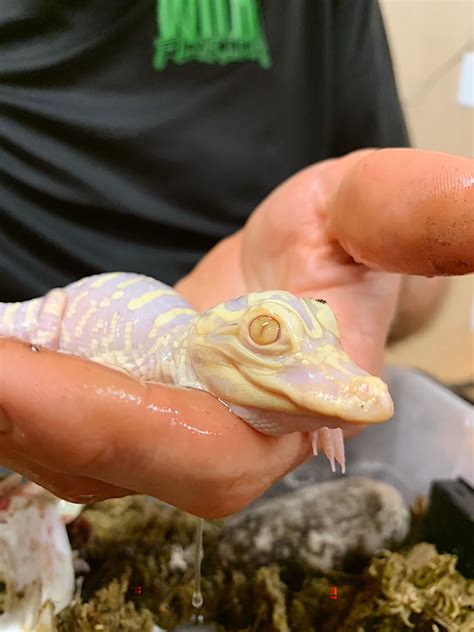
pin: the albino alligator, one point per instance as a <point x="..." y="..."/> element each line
<point x="274" y="359"/>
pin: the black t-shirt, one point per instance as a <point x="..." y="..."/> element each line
<point x="135" y="134"/>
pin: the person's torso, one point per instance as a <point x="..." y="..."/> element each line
<point x="135" y="134"/>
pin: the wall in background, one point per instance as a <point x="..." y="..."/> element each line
<point x="427" y="39"/>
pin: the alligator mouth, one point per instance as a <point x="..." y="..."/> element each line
<point x="355" y="397"/>
<point x="359" y="400"/>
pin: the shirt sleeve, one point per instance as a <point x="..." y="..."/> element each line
<point x="368" y="112"/>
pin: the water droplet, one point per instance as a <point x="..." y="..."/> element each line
<point x="197" y="600"/>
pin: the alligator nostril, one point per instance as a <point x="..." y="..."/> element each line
<point x="372" y="394"/>
<point x="360" y="388"/>
<point x="367" y="388"/>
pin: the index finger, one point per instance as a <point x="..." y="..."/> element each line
<point x="408" y="211"/>
<point x="182" y="446"/>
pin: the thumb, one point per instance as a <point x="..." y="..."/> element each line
<point x="408" y="211"/>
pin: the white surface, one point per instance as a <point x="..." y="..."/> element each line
<point x="465" y="96"/>
<point x="35" y="559"/>
<point x="430" y="437"/>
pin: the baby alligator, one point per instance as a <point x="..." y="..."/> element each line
<point x="274" y="359"/>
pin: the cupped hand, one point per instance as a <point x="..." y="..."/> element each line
<point x="86" y="432"/>
<point x="345" y="230"/>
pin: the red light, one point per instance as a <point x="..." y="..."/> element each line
<point x="333" y="592"/>
<point x="137" y="590"/>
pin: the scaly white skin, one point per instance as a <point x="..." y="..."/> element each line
<point x="275" y="359"/>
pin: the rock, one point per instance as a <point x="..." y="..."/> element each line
<point x="323" y="526"/>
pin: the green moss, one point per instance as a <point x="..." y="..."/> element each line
<point x="129" y="542"/>
<point x="106" y="611"/>
<point x="270" y="601"/>
<point x="137" y="536"/>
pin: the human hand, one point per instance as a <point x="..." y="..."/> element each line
<point x="345" y="230"/>
<point x="86" y="432"/>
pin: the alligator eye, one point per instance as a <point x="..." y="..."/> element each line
<point x="264" y="330"/>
